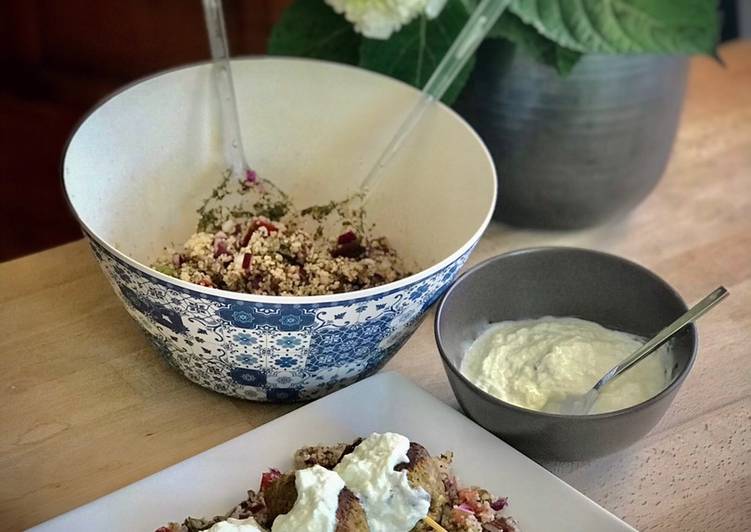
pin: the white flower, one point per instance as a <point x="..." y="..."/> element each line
<point x="378" y="19"/>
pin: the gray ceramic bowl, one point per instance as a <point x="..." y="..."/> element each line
<point x="594" y="286"/>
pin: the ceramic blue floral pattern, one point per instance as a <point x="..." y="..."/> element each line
<point x="272" y="352"/>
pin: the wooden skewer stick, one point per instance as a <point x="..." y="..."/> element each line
<point x="433" y="524"/>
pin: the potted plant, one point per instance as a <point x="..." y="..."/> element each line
<point x="577" y="100"/>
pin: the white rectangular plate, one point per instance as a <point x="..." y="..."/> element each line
<point x="216" y="480"/>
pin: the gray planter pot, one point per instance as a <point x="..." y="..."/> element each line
<point x="573" y="152"/>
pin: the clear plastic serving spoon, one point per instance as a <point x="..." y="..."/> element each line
<point x="234" y="153"/>
<point x="477" y="27"/>
<point x="581" y="404"/>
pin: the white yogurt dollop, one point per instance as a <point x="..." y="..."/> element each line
<point x="236" y="525"/>
<point x="390" y="503"/>
<point x="536" y="363"/>
<point x="317" y="501"/>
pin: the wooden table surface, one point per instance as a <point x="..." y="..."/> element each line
<point x="87" y="406"/>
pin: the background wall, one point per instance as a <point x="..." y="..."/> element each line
<point x="58" y="57"/>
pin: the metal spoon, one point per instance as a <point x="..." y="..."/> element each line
<point x="581" y="404"/>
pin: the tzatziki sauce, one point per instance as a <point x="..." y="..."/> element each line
<point x="317" y="501"/>
<point x="390" y="503"/>
<point x="536" y="363"/>
<point x="236" y="525"/>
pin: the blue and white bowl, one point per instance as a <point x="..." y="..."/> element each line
<point x="138" y="167"/>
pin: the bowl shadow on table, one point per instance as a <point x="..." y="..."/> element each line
<point x="585" y="284"/>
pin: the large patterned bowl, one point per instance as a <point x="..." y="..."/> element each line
<point x="138" y="167"/>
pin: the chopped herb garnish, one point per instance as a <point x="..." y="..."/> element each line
<point x="166" y="270"/>
<point x="319" y="212"/>
<point x="251" y="238"/>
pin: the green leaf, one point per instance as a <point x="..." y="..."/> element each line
<point x="413" y="53"/>
<point x="565" y="59"/>
<point x="310" y="28"/>
<point x="542" y="49"/>
<point x="625" y="26"/>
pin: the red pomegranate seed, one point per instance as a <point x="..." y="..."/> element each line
<point x="269" y="476"/>
<point x="499" y="504"/>
<point x="257" y="224"/>
<point x="220" y="248"/>
<point x="351" y="250"/>
<point x="346" y="238"/>
<point x="251" y="177"/>
<point x="247" y="259"/>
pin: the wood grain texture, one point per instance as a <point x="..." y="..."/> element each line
<point x="86" y="406"/>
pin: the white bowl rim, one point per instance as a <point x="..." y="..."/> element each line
<point x="281" y="300"/>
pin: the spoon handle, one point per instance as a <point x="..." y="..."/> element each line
<point x="664" y="335"/>
<point x="477" y="27"/>
<point x="233" y="146"/>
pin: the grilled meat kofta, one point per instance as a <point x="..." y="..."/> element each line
<point x="356" y="505"/>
